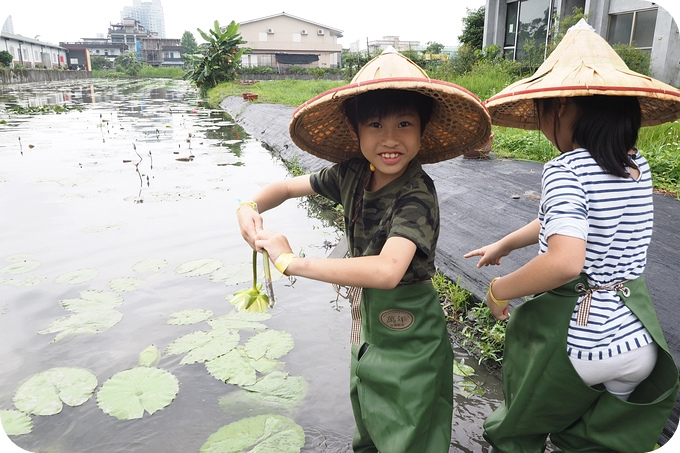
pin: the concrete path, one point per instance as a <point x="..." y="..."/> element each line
<point x="481" y="201"/>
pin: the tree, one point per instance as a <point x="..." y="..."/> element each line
<point x="473" y="28"/>
<point x="99" y="62"/>
<point x="434" y="48"/>
<point x="6" y="58"/>
<point x="189" y="45"/>
<point x="128" y="64"/>
<point x="218" y="59"/>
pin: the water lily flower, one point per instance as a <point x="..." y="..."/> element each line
<point x="252" y="299"/>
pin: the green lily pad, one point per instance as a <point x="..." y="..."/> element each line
<point x="78" y="276"/>
<point x="191" y="316"/>
<point x="232" y="368"/>
<point x="44" y="392"/>
<point x="236" y="320"/>
<point x="87" y="322"/>
<point x="460" y="369"/>
<point x="202" y="346"/>
<point x="130" y="393"/>
<point x="126" y="283"/>
<point x="280" y="387"/>
<point x="30" y="280"/>
<point x="196" y="268"/>
<point x="262" y="434"/>
<point x="271" y="344"/>
<point x="150" y="264"/>
<point x="20" y="267"/>
<point x="93" y="300"/>
<point x="15" y="423"/>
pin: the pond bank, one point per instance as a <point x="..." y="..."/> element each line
<point x="482" y="200"/>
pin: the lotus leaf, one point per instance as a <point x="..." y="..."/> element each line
<point x="271" y="344"/>
<point x="240" y="320"/>
<point x="280" y="387"/>
<point x="15" y="423"/>
<point x="195" y="268"/>
<point x="191" y="316"/>
<point x="150" y="264"/>
<point x="128" y="394"/>
<point x="93" y="300"/>
<point x="233" y="274"/>
<point x="19" y="267"/>
<point x="78" y="276"/>
<point x="31" y="280"/>
<point x="44" y="392"/>
<point x="202" y="346"/>
<point x="125" y="283"/>
<point x="261" y="434"/>
<point x="232" y="368"/>
<point x="90" y="322"/>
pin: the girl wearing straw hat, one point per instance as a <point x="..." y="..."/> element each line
<point x="377" y="131"/>
<point x="585" y="361"/>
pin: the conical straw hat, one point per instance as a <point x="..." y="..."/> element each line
<point x="459" y="121"/>
<point x="583" y="64"/>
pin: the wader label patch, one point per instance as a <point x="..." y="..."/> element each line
<point x="397" y="319"/>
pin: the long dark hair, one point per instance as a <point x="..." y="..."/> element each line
<point x="386" y="102"/>
<point x="608" y="128"/>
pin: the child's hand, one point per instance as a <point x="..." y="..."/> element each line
<point x="274" y="243"/>
<point x="250" y="222"/>
<point x="490" y="254"/>
<point x="498" y="312"/>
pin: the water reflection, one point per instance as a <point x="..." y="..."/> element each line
<point x="146" y="171"/>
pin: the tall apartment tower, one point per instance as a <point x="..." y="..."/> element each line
<point x="149" y="14"/>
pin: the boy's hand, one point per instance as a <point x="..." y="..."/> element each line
<point x="249" y="222"/>
<point x="498" y="312"/>
<point x="274" y="243"/>
<point x="490" y="254"/>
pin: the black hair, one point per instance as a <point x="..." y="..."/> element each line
<point x="387" y="102"/>
<point x="608" y="128"/>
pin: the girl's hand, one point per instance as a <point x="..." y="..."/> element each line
<point x="498" y="312"/>
<point x="490" y="254"/>
<point x="274" y="243"/>
<point x="249" y="222"/>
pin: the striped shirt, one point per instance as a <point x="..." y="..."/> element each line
<point x="614" y="216"/>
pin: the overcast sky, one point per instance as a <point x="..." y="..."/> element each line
<point x="72" y="20"/>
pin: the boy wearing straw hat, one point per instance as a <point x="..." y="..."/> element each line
<point x="585" y="361"/>
<point x="378" y="130"/>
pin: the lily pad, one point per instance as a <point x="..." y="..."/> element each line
<point x="234" y="274"/>
<point x="87" y="322"/>
<point x="191" y="316"/>
<point x="44" y="392"/>
<point x="15" y="423"/>
<point x="77" y="276"/>
<point x="196" y="268"/>
<point x="461" y="369"/>
<point x="150" y="264"/>
<point x="30" y="280"/>
<point x="271" y="344"/>
<point x="280" y="387"/>
<point x="262" y="434"/>
<point x="93" y="300"/>
<point x="202" y="346"/>
<point x="232" y="368"/>
<point x="20" y="267"/>
<point x="130" y="393"/>
<point x="123" y="284"/>
<point x="246" y="320"/>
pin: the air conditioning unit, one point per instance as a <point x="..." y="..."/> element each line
<point x="320" y="32"/>
<point x="270" y="31"/>
<point x="303" y="32"/>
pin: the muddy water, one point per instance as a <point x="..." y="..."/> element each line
<point x="141" y="171"/>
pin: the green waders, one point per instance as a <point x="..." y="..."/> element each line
<point x="401" y="386"/>
<point x="545" y="396"/>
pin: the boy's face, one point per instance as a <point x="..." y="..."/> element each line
<point x="389" y="143"/>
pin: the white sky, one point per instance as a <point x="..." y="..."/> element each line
<point x="72" y="20"/>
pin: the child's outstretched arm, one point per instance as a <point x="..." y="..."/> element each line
<point x="383" y="271"/>
<point x="520" y="238"/>
<point x="272" y="195"/>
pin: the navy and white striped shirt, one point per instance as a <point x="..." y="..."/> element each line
<point x="614" y="216"/>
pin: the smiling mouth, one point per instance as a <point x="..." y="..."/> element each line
<point x="390" y="155"/>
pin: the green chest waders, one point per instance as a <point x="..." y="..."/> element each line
<point x="545" y="396"/>
<point x="401" y="386"/>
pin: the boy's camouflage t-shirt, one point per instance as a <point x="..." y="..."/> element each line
<point x="406" y="207"/>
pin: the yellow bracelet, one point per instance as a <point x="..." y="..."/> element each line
<point x="283" y="261"/>
<point x="252" y="204"/>
<point x="500" y="303"/>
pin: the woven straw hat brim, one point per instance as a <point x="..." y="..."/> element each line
<point x="583" y="64"/>
<point x="459" y="121"/>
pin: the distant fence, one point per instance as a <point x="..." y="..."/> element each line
<point x="11" y="76"/>
<point x="252" y="76"/>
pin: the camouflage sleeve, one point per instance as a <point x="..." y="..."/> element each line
<point x="326" y="182"/>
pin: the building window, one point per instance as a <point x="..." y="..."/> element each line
<point x="527" y="27"/>
<point x="635" y="29"/>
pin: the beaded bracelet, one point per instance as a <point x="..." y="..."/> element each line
<point x="283" y="261"/>
<point x="252" y="204"/>
<point x="500" y="303"/>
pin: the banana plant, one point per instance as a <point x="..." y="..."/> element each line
<point x="254" y="299"/>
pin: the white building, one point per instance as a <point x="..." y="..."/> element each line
<point x="149" y="14"/>
<point x="32" y="53"/>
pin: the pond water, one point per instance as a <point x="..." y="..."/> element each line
<point x="132" y="195"/>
